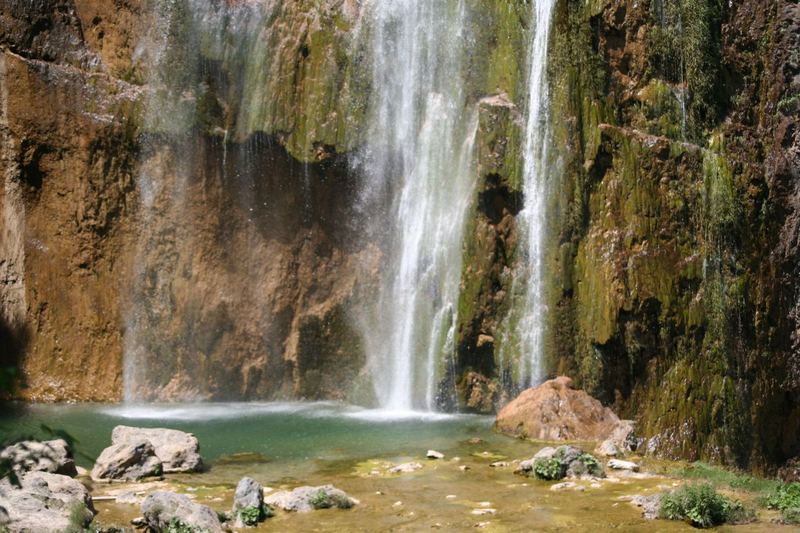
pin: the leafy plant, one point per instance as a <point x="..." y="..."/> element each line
<point x="250" y="516"/>
<point x="548" y="468"/>
<point x="592" y="464"/>
<point x="786" y="498"/>
<point x="702" y="506"/>
<point x="321" y="500"/>
<point x="178" y="526"/>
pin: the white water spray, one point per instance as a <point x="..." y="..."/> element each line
<point x="421" y="133"/>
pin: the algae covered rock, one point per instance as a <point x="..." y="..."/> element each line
<point x="45" y="502"/>
<point x="305" y="499"/>
<point x="552" y="464"/>
<point x="556" y="411"/>
<point x="167" y="511"/>
<point x="52" y="456"/>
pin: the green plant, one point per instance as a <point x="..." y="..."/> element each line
<point x="267" y="511"/>
<point x="592" y="464"/>
<point x="702" y="506"/>
<point x="786" y="498"/>
<point x="250" y="516"/>
<point x="548" y="468"/>
<point x="178" y="526"/>
<point x="720" y="476"/>
<point x="321" y="500"/>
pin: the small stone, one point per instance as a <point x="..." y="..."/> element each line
<point x="485" y="504"/>
<point x="619" y="464"/>
<point x="405" y="468"/>
<point x="451" y="497"/>
<point x="499" y="464"/>
<point x="398" y="503"/>
<point x="305" y="499"/>
<point x="433" y="454"/>
<point x="464" y="468"/>
<point x="485" y="511"/>
<point x="475" y="440"/>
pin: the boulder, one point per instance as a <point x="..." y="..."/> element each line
<point x="51" y="456"/>
<point x="556" y="411"/>
<point x="45" y="502"/>
<point x="167" y="511"/>
<point x="128" y="461"/>
<point x="558" y="463"/>
<point x="304" y="499"/>
<point x="177" y="450"/>
<point x="650" y="505"/>
<point x="248" y="503"/>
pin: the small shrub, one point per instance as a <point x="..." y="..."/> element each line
<point x="549" y="469"/>
<point x="786" y="498"/>
<point x="177" y="526"/>
<point x="321" y="500"/>
<point x="592" y="464"/>
<point x="702" y="506"/>
<point x="250" y="516"/>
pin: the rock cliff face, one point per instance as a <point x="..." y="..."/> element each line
<point x="177" y="185"/>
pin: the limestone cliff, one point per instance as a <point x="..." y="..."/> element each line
<point x="177" y="185"/>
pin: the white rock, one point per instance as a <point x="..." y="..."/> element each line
<point x="619" y="464"/>
<point x="405" y="468"/>
<point x="484" y="511"/>
<point x="433" y="454"/>
<point x="177" y="450"/>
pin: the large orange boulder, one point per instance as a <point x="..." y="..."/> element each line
<point x="556" y="411"/>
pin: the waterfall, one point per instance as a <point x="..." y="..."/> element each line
<point x="198" y="59"/>
<point x="418" y="154"/>
<point x="529" y="313"/>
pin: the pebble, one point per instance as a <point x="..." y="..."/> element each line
<point x="485" y="511"/>
<point x="433" y="454"/>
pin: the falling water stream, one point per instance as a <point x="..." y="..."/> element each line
<point x="530" y="311"/>
<point x="421" y="132"/>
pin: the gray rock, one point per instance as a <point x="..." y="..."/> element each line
<point x="619" y="464"/>
<point x="51" y="456"/>
<point x="129" y="461"/>
<point x="304" y="499"/>
<point x="162" y="509"/>
<point x="177" y="450"/>
<point x="651" y="505"/>
<point x="608" y="448"/>
<point x="573" y="462"/>
<point x="44" y="503"/>
<point x="249" y="495"/>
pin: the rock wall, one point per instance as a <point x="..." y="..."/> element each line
<point x="673" y="268"/>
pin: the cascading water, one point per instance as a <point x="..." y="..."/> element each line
<point x="419" y="150"/>
<point x="528" y="314"/>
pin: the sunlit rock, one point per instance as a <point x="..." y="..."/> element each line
<point x="167" y="511"/>
<point x="304" y="499"/>
<point x="556" y="411"/>
<point x="177" y="450"/>
<point x="52" y="456"/>
<point x="44" y="503"/>
<point x="128" y="461"/>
